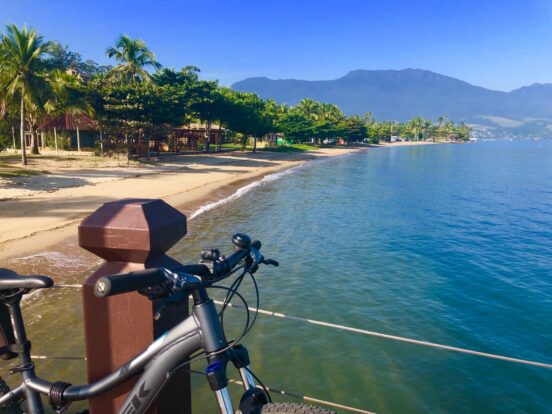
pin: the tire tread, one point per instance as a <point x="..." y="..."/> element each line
<point x="293" y="408"/>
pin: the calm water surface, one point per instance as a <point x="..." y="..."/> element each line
<point x="445" y="243"/>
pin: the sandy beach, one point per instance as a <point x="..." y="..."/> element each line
<point x="39" y="211"/>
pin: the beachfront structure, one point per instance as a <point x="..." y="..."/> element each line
<point x="82" y="129"/>
<point x="188" y="138"/>
<point x="272" y="139"/>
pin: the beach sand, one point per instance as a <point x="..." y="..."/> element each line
<point x="41" y="211"/>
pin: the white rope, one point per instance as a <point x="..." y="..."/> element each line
<point x="378" y="334"/>
<point x="392" y="337"/>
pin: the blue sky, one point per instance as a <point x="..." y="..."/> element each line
<point x="496" y="44"/>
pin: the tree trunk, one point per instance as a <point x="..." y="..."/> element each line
<point x="78" y="139"/>
<point x="101" y="144"/>
<point x="22" y="131"/>
<point x="219" y="145"/>
<point x="55" y="139"/>
<point x="13" y="136"/>
<point x="128" y="149"/>
<point x="255" y="143"/>
<point x="34" y="141"/>
<point x="208" y="135"/>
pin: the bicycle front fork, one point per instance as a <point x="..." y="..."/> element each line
<point x="216" y="375"/>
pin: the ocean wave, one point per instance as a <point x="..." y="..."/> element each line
<point x="58" y="259"/>
<point x="244" y="190"/>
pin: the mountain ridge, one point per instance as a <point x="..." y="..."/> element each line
<point x="403" y="94"/>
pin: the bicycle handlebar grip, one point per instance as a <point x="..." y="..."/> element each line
<point x="128" y="282"/>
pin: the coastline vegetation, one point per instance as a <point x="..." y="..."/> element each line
<point x="137" y="99"/>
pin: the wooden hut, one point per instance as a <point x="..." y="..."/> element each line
<point x="71" y="122"/>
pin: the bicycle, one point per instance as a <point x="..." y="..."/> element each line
<point x="199" y="336"/>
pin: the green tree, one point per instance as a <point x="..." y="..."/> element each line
<point x="134" y="58"/>
<point x="308" y="108"/>
<point x="133" y="112"/>
<point x="296" y="127"/>
<point x="24" y="79"/>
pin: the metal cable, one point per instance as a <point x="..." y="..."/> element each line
<point x="380" y="335"/>
<point x="395" y="337"/>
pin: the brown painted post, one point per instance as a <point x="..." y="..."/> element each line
<point x="130" y="234"/>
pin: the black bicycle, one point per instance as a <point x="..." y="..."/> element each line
<point x="201" y="335"/>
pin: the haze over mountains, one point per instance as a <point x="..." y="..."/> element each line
<point x="403" y="94"/>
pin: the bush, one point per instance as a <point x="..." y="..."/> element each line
<point x="63" y="140"/>
<point x="5" y="142"/>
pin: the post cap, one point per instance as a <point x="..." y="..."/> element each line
<point x="132" y="230"/>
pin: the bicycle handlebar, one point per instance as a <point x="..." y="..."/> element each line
<point x="150" y="278"/>
<point x="128" y="282"/>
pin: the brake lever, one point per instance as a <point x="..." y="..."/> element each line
<point x="271" y="262"/>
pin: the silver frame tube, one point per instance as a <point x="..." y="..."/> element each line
<point x="157" y="363"/>
<point x="224" y="401"/>
<point x="247" y="378"/>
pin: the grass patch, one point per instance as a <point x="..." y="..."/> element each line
<point x="291" y="148"/>
<point x="234" y="146"/>
<point x="18" y="172"/>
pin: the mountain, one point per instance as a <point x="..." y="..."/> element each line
<point x="403" y="94"/>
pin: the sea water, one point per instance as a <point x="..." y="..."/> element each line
<point x="444" y="243"/>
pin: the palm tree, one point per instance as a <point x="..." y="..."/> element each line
<point x="20" y="62"/>
<point x="427" y="129"/>
<point x="330" y="112"/>
<point x="134" y="57"/>
<point x="309" y="108"/>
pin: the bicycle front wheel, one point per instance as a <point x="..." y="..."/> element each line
<point x="290" y="408"/>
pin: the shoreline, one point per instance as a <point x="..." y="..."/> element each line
<point x="40" y="222"/>
<point x="24" y="233"/>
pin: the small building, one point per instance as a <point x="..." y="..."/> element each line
<point x="82" y="129"/>
<point x="189" y="137"/>
<point x="272" y="139"/>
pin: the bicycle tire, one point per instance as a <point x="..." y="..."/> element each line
<point x="292" y="408"/>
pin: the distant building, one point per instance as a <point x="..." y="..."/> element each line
<point x="189" y="137"/>
<point x="82" y="129"/>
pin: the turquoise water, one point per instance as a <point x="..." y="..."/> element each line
<point x="444" y="243"/>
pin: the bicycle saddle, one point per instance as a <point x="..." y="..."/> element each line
<point x="11" y="280"/>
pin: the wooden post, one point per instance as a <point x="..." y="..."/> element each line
<point x="130" y="234"/>
<point x="78" y="139"/>
<point x="101" y="143"/>
<point x="55" y="139"/>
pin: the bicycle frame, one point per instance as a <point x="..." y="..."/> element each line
<point x="157" y="363"/>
